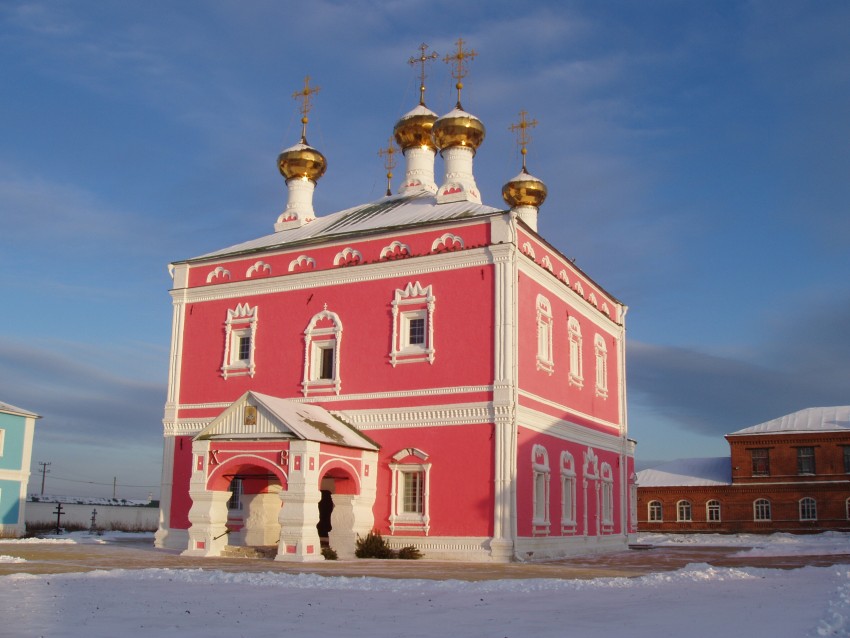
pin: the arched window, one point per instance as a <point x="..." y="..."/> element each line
<point x="540" y="487"/>
<point x="574" y="330"/>
<point x="683" y="512"/>
<point x="712" y="511"/>
<point x="544" y="335"/>
<point x="322" y="341"/>
<point x="601" y="350"/>
<point x="607" y="477"/>
<point x="808" y="509"/>
<point x="655" y="512"/>
<point x="761" y="509"/>
<point x="568" y="493"/>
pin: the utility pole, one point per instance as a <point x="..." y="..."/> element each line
<point x="114" y="485"/>
<point x="44" y="473"/>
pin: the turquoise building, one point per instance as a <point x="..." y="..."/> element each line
<point x="17" y="427"/>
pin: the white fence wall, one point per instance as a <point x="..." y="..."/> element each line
<point x="133" y="517"/>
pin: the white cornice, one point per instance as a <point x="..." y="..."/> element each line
<point x="564" y="408"/>
<point x="411" y="267"/>
<point x="567" y="430"/>
<point x="429" y="416"/>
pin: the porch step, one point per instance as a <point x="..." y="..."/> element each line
<point x="265" y="551"/>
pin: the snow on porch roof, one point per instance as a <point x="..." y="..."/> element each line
<point x="281" y="418"/>
<point x="682" y="472"/>
<point x="831" y="419"/>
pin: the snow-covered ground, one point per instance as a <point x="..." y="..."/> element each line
<point x="698" y="600"/>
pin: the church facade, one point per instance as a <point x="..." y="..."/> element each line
<point x="424" y="365"/>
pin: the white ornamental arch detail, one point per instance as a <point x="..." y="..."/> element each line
<point x="562" y="276"/>
<point x="592" y="299"/>
<point x="395" y="250"/>
<point x="218" y="273"/>
<point x="447" y="242"/>
<point x="348" y="257"/>
<point x="302" y="262"/>
<point x="579" y="288"/>
<point x="528" y="249"/>
<point x="547" y="263"/>
<point x="259" y="267"/>
<point x="606" y="310"/>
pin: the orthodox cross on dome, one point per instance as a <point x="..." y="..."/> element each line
<point x="421" y="60"/>
<point x="522" y="134"/>
<point x="459" y="60"/>
<point x="388" y="155"/>
<point x="305" y="95"/>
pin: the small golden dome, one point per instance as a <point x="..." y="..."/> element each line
<point x="414" y="128"/>
<point x="302" y="161"/>
<point x="524" y="190"/>
<point x="458" y="128"/>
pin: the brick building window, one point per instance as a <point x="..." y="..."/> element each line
<point x="656" y="512"/>
<point x="805" y="460"/>
<point x="761" y="461"/>
<point x="683" y="512"/>
<point x="808" y="509"/>
<point x="712" y="511"/>
<point x="761" y="510"/>
<point x="847" y="459"/>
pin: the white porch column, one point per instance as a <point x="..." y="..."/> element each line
<point x="261" y="524"/>
<point x="208" y="517"/>
<point x="342" y="537"/>
<point x="299" y="513"/>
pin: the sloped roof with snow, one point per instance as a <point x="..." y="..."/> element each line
<point x="8" y="407"/>
<point x="832" y="419"/>
<point x="688" y="472"/>
<point x="393" y="212"/>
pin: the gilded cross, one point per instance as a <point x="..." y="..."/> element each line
<point x="421" y="60"/>
<point x="460" y="60"/>
<point x="305" y="95"/>
<point x="523" y="136"/>
<point x="388" y="155"/>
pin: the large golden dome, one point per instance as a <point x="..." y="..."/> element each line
<point x="458" y="128"/>
<point x="414" y="128"/>
<point x="302" y="161"/>
<point x="524" y="190"/>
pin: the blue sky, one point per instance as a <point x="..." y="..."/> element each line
<point x="697" y="156"/>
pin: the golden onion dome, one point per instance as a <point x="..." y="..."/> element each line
<point x="414" y="128"/>
<point x="302" y="161"/>
<point x="458" y="128"/>
<point x="524" y="190"/>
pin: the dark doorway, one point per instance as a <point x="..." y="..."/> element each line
<point x="326" y="506"/>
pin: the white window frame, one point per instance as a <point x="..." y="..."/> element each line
<point x="601" y="350"/>
<point x="241" y="323"/>
<point x="606" y="475"/>
<point x="762" y="510"/>
<point x="316" y="340"/>
<point x="413" y="302"/>
<point x="540" y="491"/>
<point x="684" y="511"/>
<point x="414" y="463"/>
<point x="808" y="508"/>
<point x="574" y="331"/>
<point x="568" y="493"/>
<point x="2" y="441"/>
<point x="653" y="507"/>
<point x="713" y="505"/>
<point x="545" y="361"/>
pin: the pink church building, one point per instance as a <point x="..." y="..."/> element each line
<point x="423" y="365"/>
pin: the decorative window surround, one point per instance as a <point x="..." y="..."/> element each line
<point x="218" y="273"/>
<point x="240" y="340"/>
<point x="590" y="472"/>
<point x="540" y="489"/>
<point x="395" y="250"/>
<point x="544" y="335"/>
<point x="348" y="257"/>
<point x="568" y="494"/>
<point x="322" y="342"/>
<point x="413" y="325"/>
<point x="410" y="489"/>
<point x="574" y="329"/>
<point x="301" y="263"/>
<point x="607" y="477"/>
<point x="601" y="366"/>
<point x="447" y="243"/>
<point x="260" y="268"/>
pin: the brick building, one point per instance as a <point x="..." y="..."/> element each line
<point x="790" y="474"/>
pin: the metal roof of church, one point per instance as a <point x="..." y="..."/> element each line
<point x="831" y="419"/>
<point x="396" y="211"/>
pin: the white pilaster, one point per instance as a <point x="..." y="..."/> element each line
<point x="459" y="184"/>
<point x="299" y="513"/>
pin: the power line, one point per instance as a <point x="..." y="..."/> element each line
<point x="62" y="478"/>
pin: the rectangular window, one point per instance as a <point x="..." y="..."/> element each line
<point x="235" y="501"/>
<point x="683" y="512"/>
<point x="245" y="348"/>
<point x="713" y="511"/>
<point x="761" y="510"/>
<point x="655" y="512"/>
<point x="413" y="489"/>
<point x="326" y="366"/>
<point x="761" y="461"/>
<point x="805" y="460"/>
<point x="416" y="332"/>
